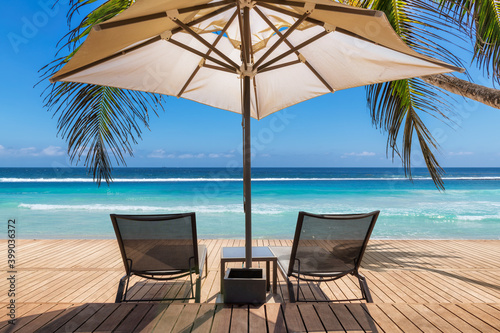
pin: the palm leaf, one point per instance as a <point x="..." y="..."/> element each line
<point x="99" y="123"/>
<point x="396" y="107"/>
<point x="482" y="19"/>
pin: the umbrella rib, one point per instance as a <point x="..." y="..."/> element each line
<point x="201" y="54"/>
<point x="204" y="18"/>
<point x="282" y="38"/>
<point x="155" y="16"/>
<point x="357" y="11"/>
<point x="204" y="42"/>
<point x="290" y="45"/>
<point x="222" y="69"/>
<point x="294" y="49"/>
<point x="354" y="35"/>
<point x="150" y="41"/>
<point x="222" y="32"/>
<point x="270" y="68"/>
<point x="242" y="38"/>
<point x="256" y="99"/>
<point x="100" y="61"/>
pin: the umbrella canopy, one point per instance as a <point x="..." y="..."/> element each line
<point x="249" y="57"/>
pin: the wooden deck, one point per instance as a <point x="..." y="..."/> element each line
<point x="417" y="286"/>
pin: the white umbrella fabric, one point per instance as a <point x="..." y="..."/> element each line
<point x="249" y="57"/>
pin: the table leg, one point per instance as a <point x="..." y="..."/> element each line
<point x="268" y="278"/>
<point x="275" y="276"/>
<point x="222" y="273"/>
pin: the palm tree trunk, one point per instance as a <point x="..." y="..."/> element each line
<point x="476" y="92"/>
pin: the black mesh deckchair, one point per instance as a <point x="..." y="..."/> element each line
<point x="159" y="247"/>
<point x="325" y="248"/>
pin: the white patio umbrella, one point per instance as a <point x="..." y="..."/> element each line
<point x="249" y="57"/>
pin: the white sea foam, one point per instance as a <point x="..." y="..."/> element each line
<point x="174" y="180"/>
<point x="477" y="218"/>
<point x="213" y="209"/>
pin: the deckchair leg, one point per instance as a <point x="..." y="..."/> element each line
<point x="364" y="288"/>
<point x="119" y="292"/>
<point x="198" y="290"/>
<point x="291" y="294"/>
<point x="206" y="264"/>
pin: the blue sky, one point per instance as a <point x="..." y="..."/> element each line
<point x="334" y="130"/>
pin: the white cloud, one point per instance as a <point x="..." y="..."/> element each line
<point x="362" y="154"/>
<point x="461" y="153"/>
<point x="220" y="155"/>
<point x="52" y="151"/>
<point x="31" y="151"/>
<point x="159" y="153"/>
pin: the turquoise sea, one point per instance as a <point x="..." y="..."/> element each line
<point x="65" y="203"/>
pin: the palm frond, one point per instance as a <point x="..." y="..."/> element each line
<point x="396" y="107"/>
<point x="107" y="10"/>
<point x="482" y="19"/>
<point x="96" y="121"/>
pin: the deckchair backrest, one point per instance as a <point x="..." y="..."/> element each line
<point x="330" y="243"/>
<point x="156" y="243"/>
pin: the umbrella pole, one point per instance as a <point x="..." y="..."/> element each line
<point x="247" y="178"/>
<point x="247" y="154"/>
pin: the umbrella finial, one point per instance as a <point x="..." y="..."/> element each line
<point x="247" y="3"/>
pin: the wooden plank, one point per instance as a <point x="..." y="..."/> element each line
<point x="133" y="319"/>
<point x="115" y="318"/>
<point x="398" y="318"/>
<point x="417" y="319"/>
<point x="151" y="318"/>
<point x="43" y="319"/>
<point x="168" y="318"/>
<point x="346" y="319"/>
<point x="437" y="316"/>
<point x="382" y="320"/>
<point x="488" y="314"/>
<point x="455" y="321"/>
<point x="474" y="317"/>
<point x="204" y="319"/>
<point x="27" y="316"/>
<point x="359" y="312"/>
<point x="93" y="321"/>
<point x="186" y="319"/>
<point x="239" y="319"/>
<point x="257" y="319"/>
<point x="275" y="319"/>
<point x="222" y="319"/>
<point x="328" y="318"/>
<point x="80" y="318"/>
<point x="293" y="320"/>
<point x="310" y="318"/>
<point x="63" y="319"/>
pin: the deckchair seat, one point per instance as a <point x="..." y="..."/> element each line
<point x="326" y="247"/>
<point x="159" y="247"/>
